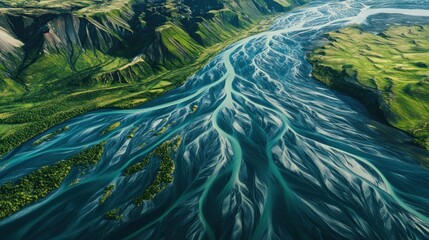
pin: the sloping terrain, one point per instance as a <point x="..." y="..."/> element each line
<point x="389" y="72"/>
<point x="59" y="59"/>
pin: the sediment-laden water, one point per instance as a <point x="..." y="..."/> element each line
<point x="269" y="154"/>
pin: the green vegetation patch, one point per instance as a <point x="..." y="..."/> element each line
<point x="132" y="133"/>
<point x="387" y="71"/>
<point x="135" y="168"/>
<point x="40" y="183"/>
<point x="90" y="156"/>
<point x="194" y="108"/>
<point x="162" y="130"/>
<point x="50" y="136"/>
<point x="180" y="47"/>
<point x="111" y="128"/>
<point x="283" y="3"/>
<point x="74" y="182"/>
<point x="34" y="186"/>
<point x="113" y="215"/>
<point x="107" y="192"/>
<point x="165" y="172"/>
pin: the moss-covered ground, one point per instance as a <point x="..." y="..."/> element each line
<point x="388" y="71"/>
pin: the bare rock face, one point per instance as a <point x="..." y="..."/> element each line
<point x="11" y="52"/>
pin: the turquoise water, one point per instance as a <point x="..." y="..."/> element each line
<point x="269" y="154"/>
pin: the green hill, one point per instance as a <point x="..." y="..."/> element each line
<point x="389" y="72"/>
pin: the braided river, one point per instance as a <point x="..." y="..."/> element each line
<point x="270" y="153"/>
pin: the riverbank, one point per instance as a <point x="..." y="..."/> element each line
<point x="388" y="72"/>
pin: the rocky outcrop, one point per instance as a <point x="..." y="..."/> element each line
<point x="11" y="53"/>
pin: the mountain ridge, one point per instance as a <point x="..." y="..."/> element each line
<point x="59" y="59"/>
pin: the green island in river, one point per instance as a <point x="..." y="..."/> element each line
<point x="165" y="171"/>
<point x="388" y="72"/>
<point x="40" y="183"/>
<point x="163" y="154"/>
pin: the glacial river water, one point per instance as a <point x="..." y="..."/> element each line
<point x="269" y="154"/>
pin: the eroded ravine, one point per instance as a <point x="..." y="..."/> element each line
<point x="267" y="153"/>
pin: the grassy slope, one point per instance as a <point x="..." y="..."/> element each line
<point x="392" y="67"/>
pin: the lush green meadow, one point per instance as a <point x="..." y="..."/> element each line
<point x="389" y="72"/>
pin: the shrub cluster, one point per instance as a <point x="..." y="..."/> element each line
<point x="39" y="183"/>
<point x="165" y="171"/>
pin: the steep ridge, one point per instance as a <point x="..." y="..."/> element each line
<point x="59" y="59"/>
